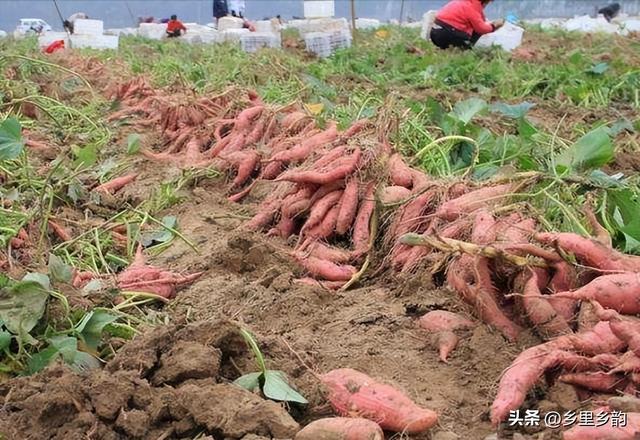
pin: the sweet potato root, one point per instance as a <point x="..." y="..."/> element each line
<point x="116" y="184"/>
<point x="399" y="172"/>
<point x="540" y="312"/>
<point x="529" y="366"/>
<point x="361" y="233"/>
<point x="348" y="207"/>
<point x="591" y="252"/>
<point x="626" y="328"/>
<point x="394" y="194"/>
<point x="620" y="292"/>
<point x="341" y="428"/>
<point x="356" y="394"/>
<point x="325" y="269"/>
<point x="443" y="324"/>
<point x="323" y="177"/>
<point x="473" y="200"/>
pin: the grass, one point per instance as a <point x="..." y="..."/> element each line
<point x="555" y="121"/>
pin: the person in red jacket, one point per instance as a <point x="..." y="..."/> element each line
<point x="460" y="23"/>
<point x="175" y="28"/>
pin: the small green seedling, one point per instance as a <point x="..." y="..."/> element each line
<point x="272" y="383"/>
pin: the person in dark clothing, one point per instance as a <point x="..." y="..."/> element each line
<point x="610" y="11"/>
<point x="461" y="23"/>
<point x="220" y="9"/>
<point x="175" y="28"/>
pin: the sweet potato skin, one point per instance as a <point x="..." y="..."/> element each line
<point x="341" y="428"/>
<point x="354" y="393"/>
<point x="620" y="292"/>
<point x="442" y="324"/>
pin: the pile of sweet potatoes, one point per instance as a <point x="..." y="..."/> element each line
<point x="351" y="202"/>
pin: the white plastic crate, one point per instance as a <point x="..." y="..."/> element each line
<point x="318" y="25"/>
<point x="234" y="35"/>
<point x="94" y="41"/>
<point x="590" y="25"/>
<point x="508" y="37"/>
<point x="630" y="24"/>
<point x="49" y="37"/>
<point x="340" y="39"/>
<point x="85" y="26"/>
<point x="121" y="31"/>
<point x="225" y="23"/>
<point x="319" y="8"/>
<point x="272" y="26"/>
<point x="153" y="31"/>
<point x="253" y="41"/>
<point x="203" y="37"/>
<point x="318" y="43"/>
<point x="367" y="23"/>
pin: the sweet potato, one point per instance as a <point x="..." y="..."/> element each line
<point x="329" y="285"/>
<point x="60" y="232"/>
<point x="361" y="234"/>
<point x="529" y="366"/>
<point x="246" y="167"/>
<point x="348" y="207"/>
<point x="308" y="146"/>
<point x="327" y="226"/>
<point x="341" y="428"/>
<point x="606" y="432"/>
<point x="116" y="184"/>
<point x="323" y="177"/>
<point x="620" y="292"/>
<point x="324" y="252"/>
<point x="595" y="381"/>
<point x="394" y="194"/>
<point x="461" y="277"/>
<point x="484" y="227"/>
<point x="473" y="200"/>
<point x="355" y="394"/>
<point x="245" y="118"/>
<point x="355" y="128"/>
<point x="590" y="252"/>
<point x="626" y="328"/>
<point x="329" y="157"/>
<point x="325" y="269"/>
<point x="399" y="172"/>
<point x="320" y="209"/>
<point x="540" y="312"/>
<point x="443" y="324"/>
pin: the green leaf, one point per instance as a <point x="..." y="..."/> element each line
<point x="592" y="150"/>
<point x="514" y="111"/>
<point x="84" y="361"/>
<point x="86" y="156"/>
<point x="39" y="278"/>
<point x="91" y="333"/>
<point x="598" y="69"/>
<point x="253" y="345"/>
<point x="22" y="305"/>
<point x="67" y="346"/>
<point x="120" y="330"/>
<point x="576" y="58"/>
<point x="466" y="110"/>
<point x="11" y="141"/>
<point x="250" y="382"/>
<point x="621" y="125"/>
<point x="42" y="359"/>
<point x="163" y="235"/>
<point x="601" y="179"/>
<point x="59" y="270"/>
<point x="5" y="339"/>
<point x="276" y="388"/>
<point x="133" y="143"/>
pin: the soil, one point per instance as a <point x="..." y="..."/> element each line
<point x="173" y="382"/>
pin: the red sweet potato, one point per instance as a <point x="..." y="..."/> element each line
<point x="461" y="277"/>
<point x="355" y="128"/>
<point x="327" y="226"/>
<point x="325" y="269"/>
<point x="60" y="232"/>
<point x="355" y="394"/>
<point x="308" y="146"/>
<point x="246" y="167"/>
<point x="341" y="428"/>
<point x="116" y="184"/>
<point x="540" y="312"/>
<point x="348" y="207"/>
<point x="620" y="292"/>
<point x="529" y="366"/>
<point x="590" y="252"/>
<point x="606" y="432"/>
<point x="245" y="118"/>
<point x="361" y="234"/>
<point x="329" y="285"/>
<point x="473" y="200"/>
<point x="324" y="252"/>
<point x="394" y="194"/>
<point x="595" y="381"/>
<point x="329" y="157"/>
<point x="484" y="227"/>
<point x="324" y="177"/>
<point x="626" y="328"/>
<point x="443" y="324"/>
<point x="399" y="172"/>
<point x="320" y="209"/>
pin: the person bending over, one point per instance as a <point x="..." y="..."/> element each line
<point x="460" y="23"/>
<point x="175" y="28"/>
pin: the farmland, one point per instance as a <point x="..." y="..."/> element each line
<point x="178" y="217"/>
